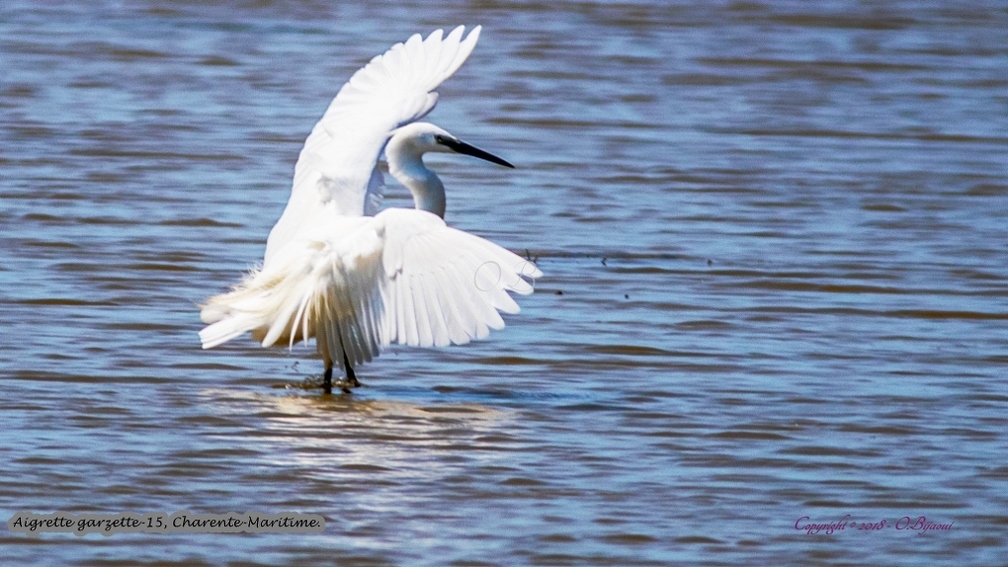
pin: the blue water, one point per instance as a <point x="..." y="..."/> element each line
<point x="775" y="286"/>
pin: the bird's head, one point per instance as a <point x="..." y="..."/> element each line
<point x="423" y="137"/>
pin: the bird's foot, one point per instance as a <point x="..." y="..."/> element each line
<point x="348" y="383"/>
<point x="327" y="381"/>
<point x="351" y="376"/>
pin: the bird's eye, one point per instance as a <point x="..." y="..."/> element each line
<point x="439" y="138"/>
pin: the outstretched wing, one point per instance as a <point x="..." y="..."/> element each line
<point x="401" y="276"/>
<point x="338" y="163"/>
<point x="442" y="285"/>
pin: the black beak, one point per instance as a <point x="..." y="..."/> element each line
<point x="470" y="150"/>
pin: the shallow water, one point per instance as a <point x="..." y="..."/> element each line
<point x="773" y="237"/>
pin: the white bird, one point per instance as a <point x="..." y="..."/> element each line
<point x="357" y="279"/>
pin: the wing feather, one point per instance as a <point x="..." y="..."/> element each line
<point x="419" y="308"/>
<point x="442" y="310"/>
<point x="458" y="314"/>
<point x="408" y="333"/>
<point x="478" y="314"/>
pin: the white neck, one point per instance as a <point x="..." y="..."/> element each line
<point x="407" y="166"/>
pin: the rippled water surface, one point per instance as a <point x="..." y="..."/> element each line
<point x="774" y="244"/>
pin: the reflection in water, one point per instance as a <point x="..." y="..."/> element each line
<point x="340" y="437"/>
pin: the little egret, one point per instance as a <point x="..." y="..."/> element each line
<point x="357" y="279"/>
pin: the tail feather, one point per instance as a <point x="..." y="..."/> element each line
<point x="320" y="290"/>
<point x="225" y="330"/>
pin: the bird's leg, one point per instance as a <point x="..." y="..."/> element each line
<point x="327" y="383"/>
<point x="350" y="376"/>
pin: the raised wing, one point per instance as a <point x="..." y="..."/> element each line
<point x="339" y="160"/>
